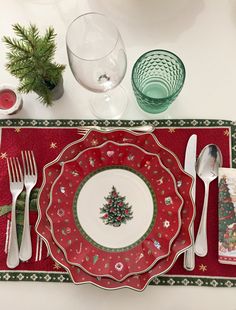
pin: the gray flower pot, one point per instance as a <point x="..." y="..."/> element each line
<point x="58" y="91"/>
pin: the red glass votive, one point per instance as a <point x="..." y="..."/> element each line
<point x="10" y="100"/>
<point x="7" y="99"/>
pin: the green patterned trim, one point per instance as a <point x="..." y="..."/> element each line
<point x="63" y="277"/>
<point x="87" y="237"/>
<point x="37" y="276"/>
<point x="194" y="281"/>
<point x="116" y="123"/>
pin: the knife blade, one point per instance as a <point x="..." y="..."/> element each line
<point x="190" y="167"/>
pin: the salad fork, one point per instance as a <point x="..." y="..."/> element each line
<point x="30" y="179"/>
<point x="16" y="187"/>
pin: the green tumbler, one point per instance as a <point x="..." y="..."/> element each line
<point x="157" y="79"/>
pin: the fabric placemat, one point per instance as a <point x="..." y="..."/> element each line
<point x="48" y="137"/>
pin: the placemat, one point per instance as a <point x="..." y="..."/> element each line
<point x="48" y="137"/>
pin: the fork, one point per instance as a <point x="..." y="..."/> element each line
<point x="16" y="187"/>
<point x="30" y="179"/>
<point x="143" y="128"/>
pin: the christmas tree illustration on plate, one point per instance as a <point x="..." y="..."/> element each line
<point x="116" y="211"/>
<point x="226" y="214"/>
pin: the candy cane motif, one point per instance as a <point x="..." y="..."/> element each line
<point x="80" y="248"/>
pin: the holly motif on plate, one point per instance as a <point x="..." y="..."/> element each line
<point x="116" y="211"/>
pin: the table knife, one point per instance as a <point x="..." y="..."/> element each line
<point x="189" y="167"/>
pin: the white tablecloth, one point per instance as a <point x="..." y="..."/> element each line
<point x="203" y="34"/>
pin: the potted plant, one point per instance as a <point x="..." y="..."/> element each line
<point x="30" y="59"/>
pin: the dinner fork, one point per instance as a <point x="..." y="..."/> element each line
<point x="143" y="128"/>
<point x="16" y="187"/>
<point x="30" y="179"/>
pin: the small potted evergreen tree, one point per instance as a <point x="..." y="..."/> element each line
<point x="30" y="59"/>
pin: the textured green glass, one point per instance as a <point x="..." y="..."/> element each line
<point x="157" y="79"/>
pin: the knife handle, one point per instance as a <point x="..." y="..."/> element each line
<point x="189" y="255"/>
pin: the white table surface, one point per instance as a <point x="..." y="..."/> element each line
<point x="203" y="34"/>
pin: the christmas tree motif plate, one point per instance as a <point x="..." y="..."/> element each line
<point x="115" y="210"/>
<point x="150" y="143"/>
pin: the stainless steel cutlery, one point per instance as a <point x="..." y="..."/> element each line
<point x="16" y="187"/>
<point x="189" y="167"/>
<point x="208" y="163"/>
<point x="30" y="179"/>
<point x="19" y="179"/>
<point x="206" y="168"/>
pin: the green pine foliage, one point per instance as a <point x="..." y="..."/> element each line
<point x="20" y="208"/>
<point x="116" y="211"/>
<point x="30" y="59"/>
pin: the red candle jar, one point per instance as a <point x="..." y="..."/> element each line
<point x="10" y="100"/>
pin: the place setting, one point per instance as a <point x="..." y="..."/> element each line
<point x="111" y="202"/>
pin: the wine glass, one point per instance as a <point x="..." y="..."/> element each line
<point x="98" y="62"/>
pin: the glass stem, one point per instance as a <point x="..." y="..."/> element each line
<point x="107" y="96"/>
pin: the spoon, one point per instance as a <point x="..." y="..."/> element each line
<point x="208" y="162"/>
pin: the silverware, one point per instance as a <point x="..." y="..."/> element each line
<point x="145" y="128"/>
<point x="30" y="179"/>
<point x="190" y="167"/>
<point x="16" y="187"/>
<point x="208" y="163"/>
